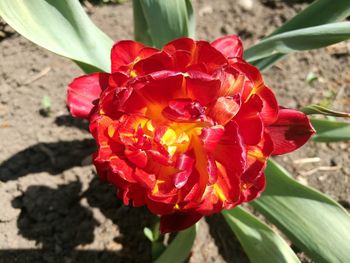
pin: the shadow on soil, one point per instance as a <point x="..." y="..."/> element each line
<point x="229" y="247"/>
<point x="53" y="158"/>
<point x="58" y="220"/>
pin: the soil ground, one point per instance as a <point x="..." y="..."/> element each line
<point x="54" y="208"/>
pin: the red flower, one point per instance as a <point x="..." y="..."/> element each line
<point x="185" y="130"/>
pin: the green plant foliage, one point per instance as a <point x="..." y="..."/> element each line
<point x="330" y="130"/>
<point x="157" y="22"/>
<point x="180" y="248"/>
<point x="61" y="27"/>
<point x="311" y="220"/>
<point x="318" y="13"/>
<point x="318" y="109"/>
<point x="259" y="241"/>
<point x="46" y="106"/>
<point x="298" y="40"/>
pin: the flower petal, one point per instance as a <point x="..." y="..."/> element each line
<point x="224" y="109"/>
<point x="183" y="110"/>
<point x="229" y="46"/>
<point x="185" y="164"/>
<point x="291" y="131"/>
<point x="211" y="137"/>
<point x="184" y="44"/>
<point x="201" y="87"/>
<point x="230" y="151"/>
<point x="124" y="52"/>
<point x="178" y="221"/>
<point x="270" y="107"/>
<point x="159" y="61"/>
<point x="249" y="121"/>
<point x="83" y="91"/>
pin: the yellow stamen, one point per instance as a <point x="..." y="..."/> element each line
<point x="169" y="137"/>
<point x="172" y="150"/>
<point x="183" y="138"/>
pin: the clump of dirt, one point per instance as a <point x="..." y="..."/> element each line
<point x="5" y="30"/>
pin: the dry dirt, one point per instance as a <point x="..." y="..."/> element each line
<point x="53" y="207"/>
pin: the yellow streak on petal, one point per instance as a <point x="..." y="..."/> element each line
<point x="257" y="154"/>
<point x="256" y="89"/>
<point x="156" y="186"/>
<point x="219" y="193"/>
<point x="235" y="86"/>
<point x="176" y="206"/>
<point x="149" y="126"/>
<point x="111" y="130"/>
<point x="133" y="74"/>
<point x="155" y="189"/>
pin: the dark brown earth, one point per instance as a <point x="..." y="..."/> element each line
<point x="53" y="207"/>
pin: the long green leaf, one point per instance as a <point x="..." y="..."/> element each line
<point x="158" y="22"/>
<point x="62" y="27"/>
<point x="330" y="131"/>
<point x="318" y="13"/>
<point x="141" y="30"/>
<point x="301" y="39"/>
<point x="318" y="109"/>
<point x="180" y="248"/>
<point x="311" y="220"/>
<point x="259" y="241"/>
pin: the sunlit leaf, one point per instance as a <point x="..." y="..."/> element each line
<point x="61" y="27"/>
<point x="330" y="130"/>
<point x="259" y="241"/>
<point x="298" y="40"/>
<point x="180" y="248"/>
<point x="317" y="109"/>
<point x="158" y="22"/>
<point x="312" y="221"/>
<point x="318" y="13"/>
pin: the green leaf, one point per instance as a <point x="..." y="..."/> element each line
<point x="148" y="233"/>
<point x="61" y="27"/>
<point x="301" y="39"/>
<point x="311" y="77"/>
<point x="259" y="241"/>
<point x="180" y="248"/>
<point x="330" y="131"/>
<point x="318" y="109"/>
<point x="312" y="221"/>
<point x="318" y="13"/>
<point x="158" y="22"/>
<point x="141" y="30"/>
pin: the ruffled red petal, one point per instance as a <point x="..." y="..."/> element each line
<point x="123" y="53"/>
<point x="84" y="91"/>
<point x="224" y="109"/>
<point x="291" y="131"/>
<point x="229" y="46"/>
<point x="249" y="120"/>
